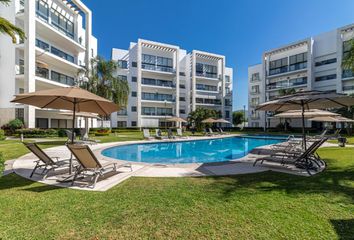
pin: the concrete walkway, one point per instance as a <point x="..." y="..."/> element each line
<point x="23" y="167"/>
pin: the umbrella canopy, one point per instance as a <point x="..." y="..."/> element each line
<point x="332" y="119"/>
<point x="307" y="100"/>
<point x="209" y="120"/>
<point x="66" y="98"/>
<point x="308" y="114"/>
<point x="176" y="119"/>
<point x="221" y="120"/>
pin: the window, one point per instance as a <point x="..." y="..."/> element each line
<point x="182" y="111"/>
<point x="121" y="124"/>
<point x="156" y="63"/>
<point x="134" y="79"/>
<point x="21" y="90"/>
<point x="254" y="101"/>
<point x="150" y="111"/>
<point x="42" y="10"/>
<point x="123" y="64"/>
<point x="164" y="111"/>
<point x="133" y="123"/>
<point x="62" y="23"/>
<point x="326" y="77"/>
<point x="228" y="102"/>
<point x="157" y="96"/>
<point x="278" y="66"/>
<point x="204" y="87"/>
<point x="42" y="123"/>
<point x="133" y="94"/>
<point x="255" y="89"/>
<point x="227" y="114"/>
<point x="182" y="73"/>
<point x="20" y="114"/>
<point x="206" y="70"/>
<point x="227" y="78"/>
<point x="61" y="78"/>
<point x="255" y="77"/>
<point x="42" y="72"/>
<point x="122" y="77"/>
<point x="182" y="86"/>
<point x="134" y="64"/>
<point x="21" y="69"/>
<point x="133" y="108"/>
<point x="182" y="99"/>
<point x="157" y="82"/>
<point x="42" y="45"/>
<point x="122" y="112"/>
<point x="325" y="62"/>
<point x="62" y="54"/>
<point x="92" y="54"/>
<point x="298" y="61"/>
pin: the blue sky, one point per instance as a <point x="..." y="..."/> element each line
<point x="239" y="29"/>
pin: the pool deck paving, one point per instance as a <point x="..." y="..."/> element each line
<point x="23" y="166"/>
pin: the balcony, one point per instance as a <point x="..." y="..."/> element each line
<point x="347" y="74"/>
<point x="157" y="68"/>
<point x="206" y="88"/>
<point x="210" y="102"/>
<point x="294" y="68"/>
<point x="348" y="88"/>
<point x="255" y="92"/>
<point x="255" y="117"/>
<point x="122" y="112"/>
<point x="157" y="83"/>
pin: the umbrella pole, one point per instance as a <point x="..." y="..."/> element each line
<point x="72" y="137"/>
<point x="303" y="125"/>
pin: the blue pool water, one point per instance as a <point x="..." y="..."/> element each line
<point x="194" y="151"/>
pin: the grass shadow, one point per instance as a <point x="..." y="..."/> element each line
<point x="344" y="228"/>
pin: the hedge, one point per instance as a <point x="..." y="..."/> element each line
<point x="37" y="133"/>
<point x="2" y="135"/>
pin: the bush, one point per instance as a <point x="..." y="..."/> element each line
<point x="61" y="133"/>
<point x="2" y="134"/>
<point x="126" y="129"/>
<point x="2" y="160"/>
<point x="11" y="127"/>
<point x="37" y="133"/>
<point x="98" y="134"/>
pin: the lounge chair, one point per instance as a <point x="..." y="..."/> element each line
<point x="146" y="133"/>
<point x="180" y="133"/>
<point x="170" y="134"/>
<point x="84" y="138"/>
<point x="44" y="161"/>
<point x="335" y="135"/>
<point x="69" y="134"/>
<point x="222" y="131"/>
<point x="158" y="134"/>
<point x="322" y="135"/>
<point x="89" y="164"/>
<point x="304" y="159"/>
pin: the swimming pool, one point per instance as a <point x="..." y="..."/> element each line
<point x="192" y="151"/>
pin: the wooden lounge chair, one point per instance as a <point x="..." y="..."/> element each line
<point x="45" y="162"/>
<point x="89" y="164"/>
<point x="146" y="133"/>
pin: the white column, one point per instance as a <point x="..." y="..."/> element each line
<point x="30" y="60"/>
<point x="223" y="85"/>
<point x="177" y="82"/>
<point x="88" y="33"/>
<point x="193" y="81"/>
<point x="138" y="94"/>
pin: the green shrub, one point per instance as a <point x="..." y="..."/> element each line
<point x="2" y="160"/>
<point x="37" y="132"/>
<point x="11" y="127"/>
<point x="98" y="134"/>
<point x="2" y="134"/>
<point x="61" y="133"/>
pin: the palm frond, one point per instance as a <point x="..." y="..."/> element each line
<point x="10" y="29"/>
<point x="348" y="58"/>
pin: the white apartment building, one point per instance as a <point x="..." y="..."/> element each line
<point x="57" y="48"/>
<point x="167" y="81"/>
<point x="311" y="64"/>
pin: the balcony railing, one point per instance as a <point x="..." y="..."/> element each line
<point x="153" y="67"/>
<point x="207" y="75"/>
<point x="208" y="101"/>
<point x="156" y="82"/>
<point x="348" y="88"/>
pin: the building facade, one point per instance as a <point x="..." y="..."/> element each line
<point x="57" y="50"/>
<point x="314" y="63"/>
<point x="167" y="81"/>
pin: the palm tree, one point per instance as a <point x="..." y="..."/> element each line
<point x="348" y="57"/>
<point x="284" y="92"/>
<point x="10" y="29"/>
<point x="103" y="81"/>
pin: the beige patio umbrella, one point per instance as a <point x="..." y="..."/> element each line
<point x="209" y="120"/>
<point x="307" y="114"/>
<point x="332" y="119"/>
<point x="176" y="119"/>
<point x="305" y="100"/>
<point x="221" y="120"/>
<point x="68" y="98"/>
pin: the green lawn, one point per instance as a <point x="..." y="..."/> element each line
<point x="254" y="206"/>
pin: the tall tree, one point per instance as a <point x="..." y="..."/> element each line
<point x="10" y="29"/>
<point x="102" y="80"/>
<point x="238" y="117"/>
<point x="284" y="91"/>
<point x="196" y="117"/>
<point x="348" y="56"/>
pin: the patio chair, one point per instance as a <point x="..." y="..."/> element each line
<point x="180" y="133"/>
<point x="170" y="134"/>
<point x="335" y="135"/>
<point x="44" y="161"/>
<point x="322" y="135"/>
<point x="222" y="131"/>
<point x="89" y="164"/>
<point x="158" y="134"/>
<point x="84" y="138"/>
<point x="146" y="133"/>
